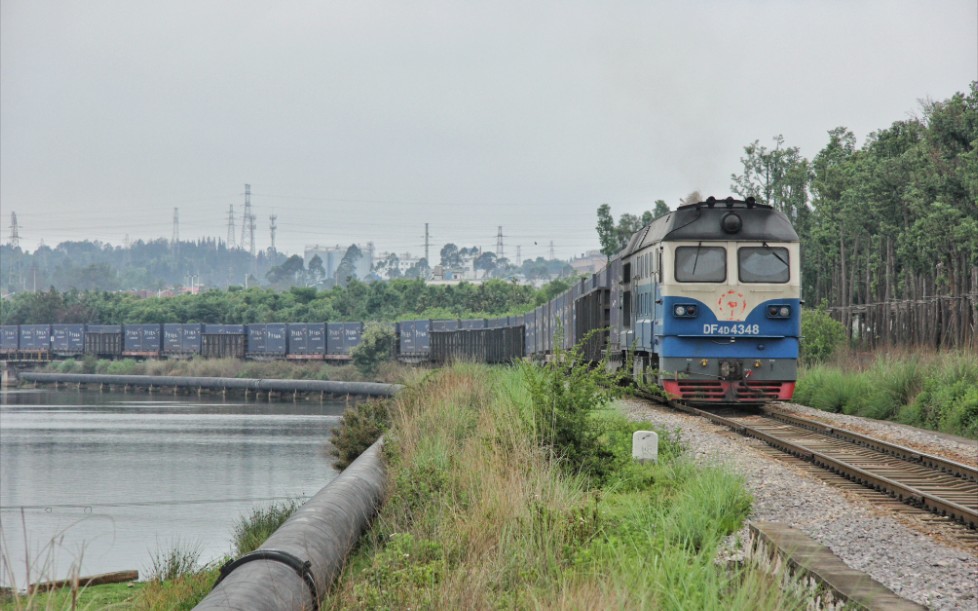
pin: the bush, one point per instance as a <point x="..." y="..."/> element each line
<point x="565" y="395"/>
<point x="376" y="346"/>
<point x="251" y="531"/>
<point x="360" y="427"/>
<point x="821" y="335"/>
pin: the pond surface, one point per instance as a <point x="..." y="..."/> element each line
<point x="106" y="481"/>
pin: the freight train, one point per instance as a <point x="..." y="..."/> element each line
<point x="703" y="303"/>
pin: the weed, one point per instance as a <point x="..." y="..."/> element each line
<point x="360" y="427"/>
<point x="175" y="561"/>
<point x="250" y="532"/>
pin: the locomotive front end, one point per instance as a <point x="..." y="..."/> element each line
<point x="730" y="318"/>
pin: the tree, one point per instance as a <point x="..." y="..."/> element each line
<point x="450" y="256"/>
<point x="347" y="269"/>
<point x="288" y="273"/>
<point x="316" y="271"/>
<point x="661" y="209"/>
<point x="778" y="177"/>
<point x="389" y="266"/>
<point x="419" y="270"/>
<point x="606" y="231"/>
<point x="486" y="262"/>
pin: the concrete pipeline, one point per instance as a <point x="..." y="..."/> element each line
<point x="368" y="389"/>
<point x="297" y="564"/>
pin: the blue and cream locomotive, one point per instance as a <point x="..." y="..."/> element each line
<point x="710" y="301"/>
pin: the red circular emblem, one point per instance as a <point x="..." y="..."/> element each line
<point x="731" y="304"/>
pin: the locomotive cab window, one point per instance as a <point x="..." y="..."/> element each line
<point x="701" y="264"/>
<point x="763" y="264"/>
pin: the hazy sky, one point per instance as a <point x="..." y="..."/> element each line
<point x="362" y="120"/>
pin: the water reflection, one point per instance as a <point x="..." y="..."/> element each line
<point x="111" y="477"/>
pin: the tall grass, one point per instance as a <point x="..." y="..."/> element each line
<point x="252" y="530"/>
<point x="480" y="514"/>
<point x="938" y="391"/>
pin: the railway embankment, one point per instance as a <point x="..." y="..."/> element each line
<point x="515" y="487"/>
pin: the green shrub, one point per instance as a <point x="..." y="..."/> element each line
<point x="360" y="427"/>
<point x="376" y="346"/>
<point x="948" y="400"/>
<point x="938" y="391"/>
<point x="566" y="393"/>
<point x="821" y="335"/>
<point x="251" y="531"/>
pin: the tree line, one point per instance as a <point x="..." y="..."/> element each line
<point x="358" y="301"/>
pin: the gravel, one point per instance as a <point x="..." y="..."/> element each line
<point x="908" y="555"/>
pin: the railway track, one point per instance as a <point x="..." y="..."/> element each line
<point x="928" y="482"/>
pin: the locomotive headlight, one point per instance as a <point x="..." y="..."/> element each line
<point x="784" y="312"/>
<point x="779" y="311"/>
<point x="731" y="223"/>
<point x="685" y="310"/>
<point x="680" y="310"/>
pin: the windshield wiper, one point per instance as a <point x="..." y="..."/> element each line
<point x="696" y="258"/>
<point x="774" y="252"/>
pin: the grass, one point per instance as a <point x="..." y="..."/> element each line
<point x="481" y="514"/>
<point x="937" y="391"/>
<point x="252" y="530"/>
<point x="176" y="579"/>
<point x="114" y="596"/>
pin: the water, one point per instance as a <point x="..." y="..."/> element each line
<point x="104" y="481"/>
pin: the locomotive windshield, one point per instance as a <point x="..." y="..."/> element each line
<point x="763" y="264"/>
<point x="701" y="264"/>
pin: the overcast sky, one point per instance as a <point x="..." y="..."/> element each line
<point x="362" y="120"/>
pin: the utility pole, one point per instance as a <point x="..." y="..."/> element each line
<point x="14" y="231"/>
<point x="272" y="228"/>
<point x="231" y="227"/>
<point x="427" y="241"/>
<point x="519" y="256"/>
<point x="551" y="250"/>
<point x="499" y="244"/>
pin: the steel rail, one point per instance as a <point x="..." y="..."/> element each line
<point x="903" y="492"/>
<point x="928" y="460"/>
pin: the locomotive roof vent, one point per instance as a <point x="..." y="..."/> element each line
<point x="731" y="223"/>
<point x="728" y="202"/>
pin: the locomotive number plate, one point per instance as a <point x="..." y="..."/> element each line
<point x="731" y="329"/>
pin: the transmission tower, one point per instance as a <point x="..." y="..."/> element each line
<point x="231" y="226"/>
<point x="551" y="250"/>
<point x="499" y="244"/>
<point x="248" y="219"/>
<point x="14" y="230"/>
<point x="272" y="228"/>
<point x="519" y="255"/>
<point x="427" y="243"/>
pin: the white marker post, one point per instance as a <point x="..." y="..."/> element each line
<point x="645" y="446"/>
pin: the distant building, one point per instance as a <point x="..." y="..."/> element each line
<point x="331" y="257"/>
<point x="589" y="262"/>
